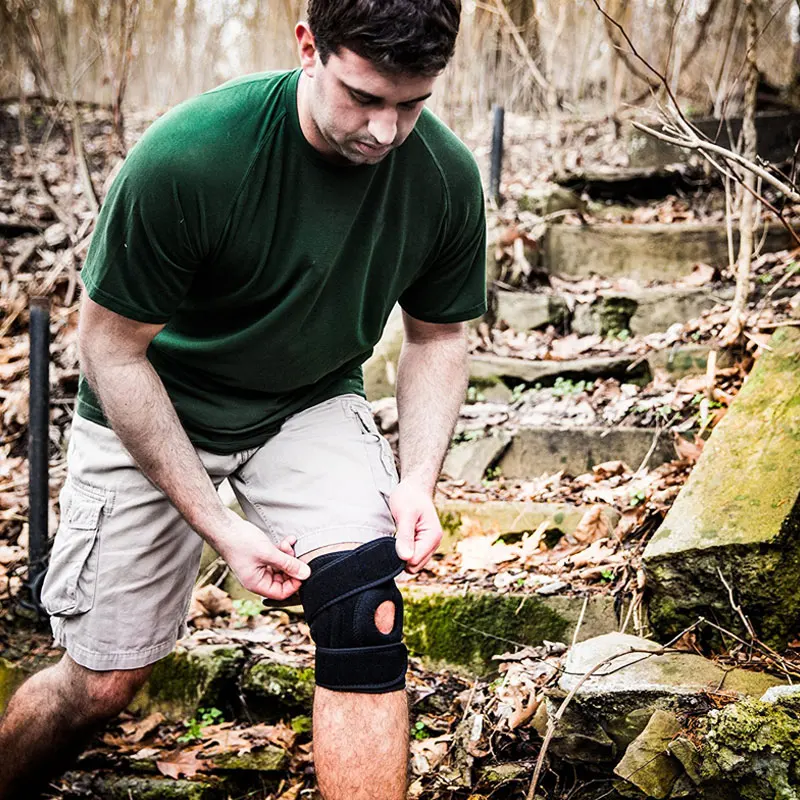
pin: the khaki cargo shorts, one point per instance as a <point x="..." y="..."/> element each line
<point x="124" y="561"/>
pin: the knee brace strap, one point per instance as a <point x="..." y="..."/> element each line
<point x="340" y="599"/>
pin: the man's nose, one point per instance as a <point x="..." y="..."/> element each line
<point x="383" y="126"/>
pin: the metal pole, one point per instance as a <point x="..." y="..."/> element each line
<point x="38" y="442"/>
<point x="497" y="152"/>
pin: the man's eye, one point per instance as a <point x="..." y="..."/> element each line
<point x="362" y="101"/>
<point x="410" y="106"/>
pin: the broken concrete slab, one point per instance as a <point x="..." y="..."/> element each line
<point x="501" y="517"/>
<point x="538" y="451"/>
<point x="627" y="683"/>
<point x="647" y="764"/>
<point x="187" y="680"/>
<point x="490" y="367"/>
<point x="526" y="311"/>
<point x="468" y="461"/>
<point x="737" y="519"/>
<point x="549" y="199"/>
<point x="456" y="628"/>
<point x="652" y="252"/>
<point x="264" y="759"/>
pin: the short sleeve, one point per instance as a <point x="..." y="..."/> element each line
<point x="150" y="237"/>
<point x="452" y="285"/>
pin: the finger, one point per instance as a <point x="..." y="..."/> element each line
<point x="287" y="545"/>
<point x="404" y="537"/>
<point x="288" y="564"/>
<point x="428" y="539"/>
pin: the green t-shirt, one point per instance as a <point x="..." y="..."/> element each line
<point x="274" y="269"/>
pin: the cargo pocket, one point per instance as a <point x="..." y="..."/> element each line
<point x="379" y="452"/>
<point x="71" y="581"/>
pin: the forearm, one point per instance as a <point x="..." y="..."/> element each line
<point x="146" y="423"/>
<point x="432" y="381"/>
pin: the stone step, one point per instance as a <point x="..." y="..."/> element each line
<point x="500" y="517"/>
<point x="641" y="311"/>
<point x="679" y="360"/>
<point x="777" y="133"/>
<point x="737" y="519"/>
<point x="484" y="367"/>
<point x="529" y="452"/>
<point x="449" y="626"/>
<point x="651" y="252"/>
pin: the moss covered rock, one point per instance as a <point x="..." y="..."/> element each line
<point x="271" y="689"/>
<point x="187" y="680"/>
<point x="751" y="751"/>
<point x="467" y="628"/>
<point x="114" y="787"/>
<point x="739" y="513"/>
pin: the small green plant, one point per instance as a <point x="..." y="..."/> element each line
<point x="466" y="436"/>
<point x="623" y="335"/>
<point x="419" y="731"/>
<point x="520" y="581"/>
<point x="564" y="387"/>
<point x="607" y="575"/>
<point x="767" y="277"/>
<point x="494" y="473"/>
<point x="203" y="718"/>
<point x="301" y="724"/>
<point x="517" y="392"/>
<point x="474" y="395"/>
<point x="249" y="609"/>
<point x="638" y="497"/>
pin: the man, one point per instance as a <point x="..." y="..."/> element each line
<point x="243" y="267"/>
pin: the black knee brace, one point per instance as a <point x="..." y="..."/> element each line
<point x="340" y="599"/>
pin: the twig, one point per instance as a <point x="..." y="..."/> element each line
<point x="736" y="607"/>
<point x="523" y="48"/>
<point x="580" y="620"/>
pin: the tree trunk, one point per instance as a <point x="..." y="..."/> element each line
<point x="738" y="314"/>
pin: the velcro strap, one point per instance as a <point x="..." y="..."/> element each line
<point x="369" y="565"/>
<point x="362" y="669"/>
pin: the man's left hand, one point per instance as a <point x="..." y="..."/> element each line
<point x="418" y="528"/>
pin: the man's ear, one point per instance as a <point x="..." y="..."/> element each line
<point x="307" y="48"/>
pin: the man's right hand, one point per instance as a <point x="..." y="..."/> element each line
<point x="260" y="566"/>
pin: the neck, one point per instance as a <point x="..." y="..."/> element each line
<point x="308" y="126"/>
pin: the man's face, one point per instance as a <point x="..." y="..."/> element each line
<point x="359" y="113"/>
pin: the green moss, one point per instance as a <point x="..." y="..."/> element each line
<point x="272" y="689"/>
<point x="753" y="749"/>
<point x="187" y="680"/>
<point x="469" y="629"/>
<point x="124" y="788"/>
<point x="268" y="759"/>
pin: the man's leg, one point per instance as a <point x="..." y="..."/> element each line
<point x="51" y="717"/>
<point x="325" y="478"/>
<point x="360" y="740"/>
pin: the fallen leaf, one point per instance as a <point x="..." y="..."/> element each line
<point x="136" y="731"/>
<point x="700" y="276"/>
<point x="483" y="553"/>
<point x="686" y="450"/>
<point x="182" y="764"/>
<point x="214" y="600"/>
<point x="593" y="525"/>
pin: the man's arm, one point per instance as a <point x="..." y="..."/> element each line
<point x="113" y="357"/>
<point x="432" y="381"/>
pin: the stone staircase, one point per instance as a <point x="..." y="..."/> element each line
<point x="628" y="287"/>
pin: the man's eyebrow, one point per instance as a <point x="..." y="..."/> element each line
<point x="374" y="97"/>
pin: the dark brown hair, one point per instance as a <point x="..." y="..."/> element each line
<point x="397" y="36"/>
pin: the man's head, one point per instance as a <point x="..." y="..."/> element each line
<point x="372" y="64"/>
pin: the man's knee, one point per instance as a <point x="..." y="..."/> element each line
<point x="355" y="612"/>
<point x="99" y="695"/>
